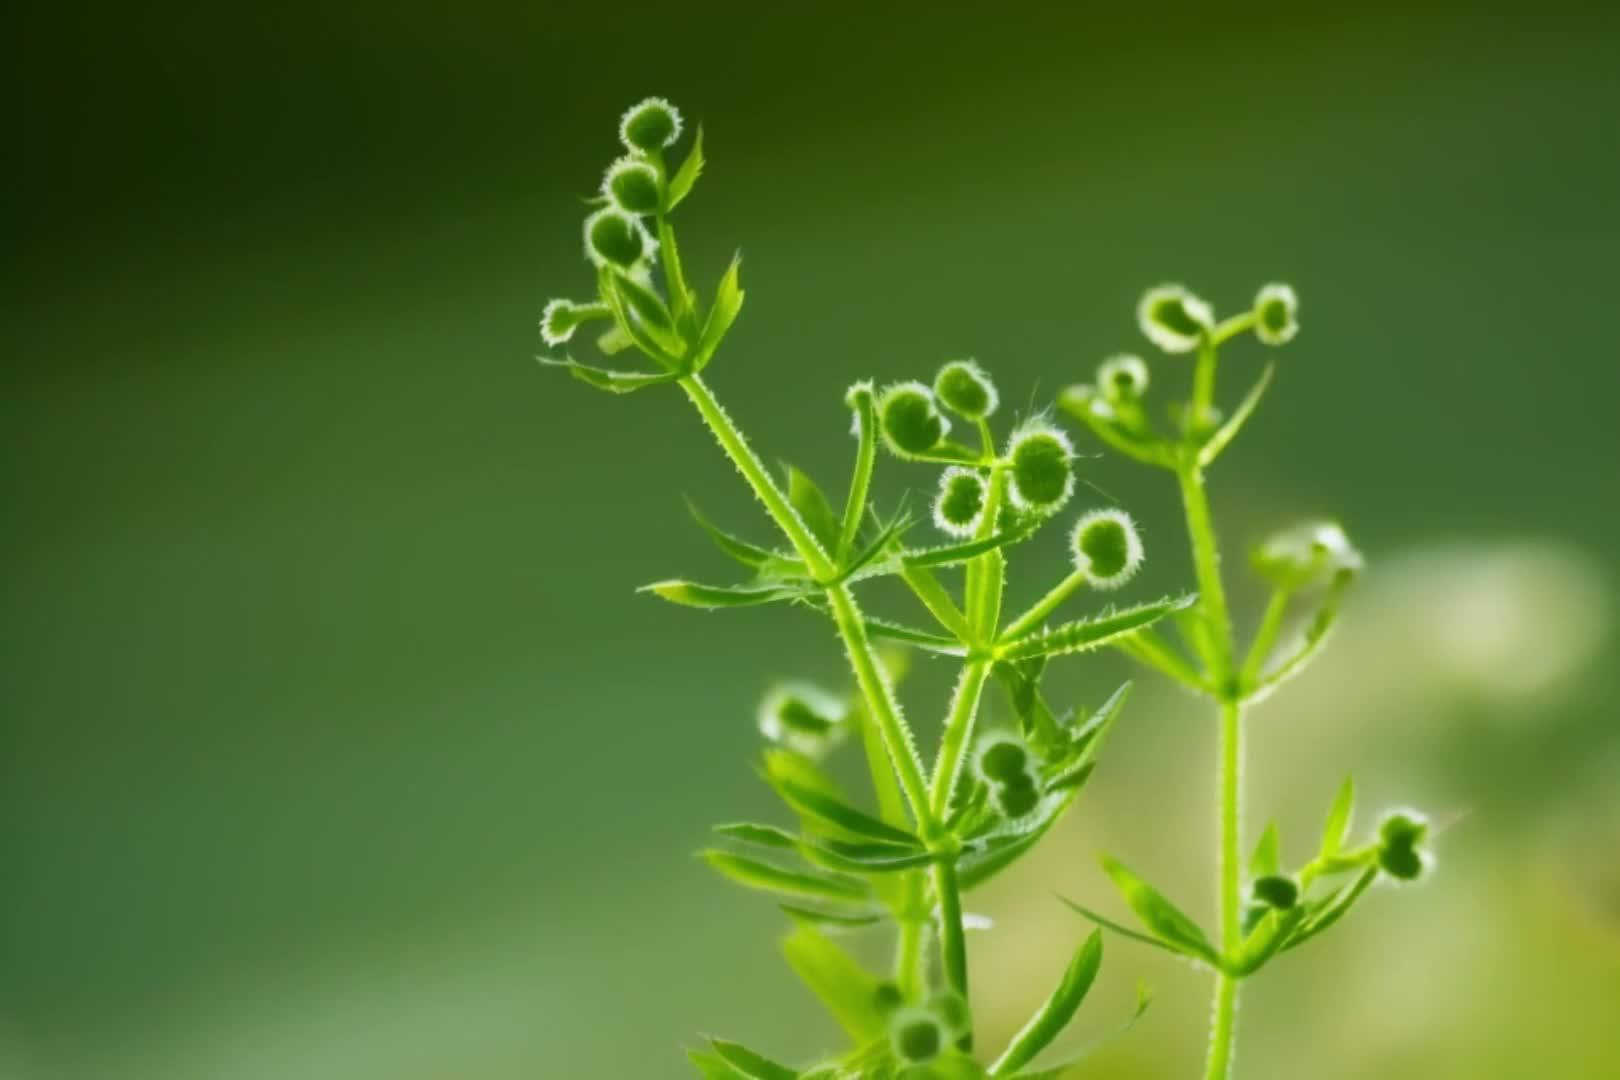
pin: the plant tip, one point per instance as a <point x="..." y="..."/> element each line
<point x="650" y="125"/>
<point x="1276" y="314"/>
<point x="966" y="389"/>
<point x="1173" y="318"/>
<point x="1107" y="547"/>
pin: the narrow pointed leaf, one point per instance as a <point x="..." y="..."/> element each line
<point x="1144" y="998"/>
<point x="1054" y="1015"/>
<point x="813" y="507"/>
<point x="1264" y="941"/>
<point x="783" y="764"/>
<point x="832" y="920"/>
<point x="1240" y="416"/>
<point x="748" y="554"/>
<point x="614" y="382"/>
<point x="1086" y="634"/>
<point x="709" y="597"/>
<point x="1267" y="856"/>
<point x="654" y="314"/>
<point x="952" y="554"/>
<point x="761" y="835"/>
<point x="1162" y="918"/>
<point x="767" y="877"/>
<point x="728" y="302"/>
<point x="867" y="556"/>
<point x="1334" y="909"/>
<point x="847" y="990"/>
<point x="892" y="631"/>
<point x="1119" y="928"/>
<point x="1088" y="739"/>
<point x="751" y="1063"/>
<point x="1337" y="829"/>
<point x="712" y="1066"/>
<point x="839" y="814"/>
<point x="680" y="185"/>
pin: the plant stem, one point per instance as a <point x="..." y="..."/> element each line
<point x="1222" y="1030"/>
<point x="1264" y="638"/>
<point x="1207" y="569"/>
<point x="1044" y="607"/>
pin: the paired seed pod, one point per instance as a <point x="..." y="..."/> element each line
<point x="960" y="503"/>
<point x="1174" y="319"/>
<point x="803" y="718"/>
<point x="1276" y="891"/>
<point x="966" y="390"/>
<point x="1042" y="472"/>
<point x="1006" y="766"/>
<point x="634" y="186"/>
<point x="1401" y="854"/>
<point x="1107" y="548"/>
<point x="618" y="239"/>
<point x="910" y="419"/>
<point x="650" y="125"/>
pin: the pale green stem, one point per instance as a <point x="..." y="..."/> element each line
<point x="953" y="942"/>
<point x="860" y="483"/>
<point x="1203" y="399"/>
<point x="1149" y="648"/>
<point x="1207" y="569"/>
<point x="908" y="972"/>
<point x="1222" y="1030"/>
<point x="874" y="688"/>
<point x="1232" y="326"/>
<point x="958" y="728"/>
<point x="1044" y="606"/>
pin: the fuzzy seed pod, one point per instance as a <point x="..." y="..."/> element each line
<point x="803" y="718"/>
<point x="917" y="1036"/>
<point x="633" y="185"/>
<point x="1276" y="314"/>
<point x="966" y="389"/>
<point x="561" y="318"/>
<point x="1042" y="474"/>
<point x="960" y="501"/>
<point x="1174" y="319"/>
<point x="911" y="422"/>
<point x="615" y="238"/>
<point x="1106" y="547"/>
<point x="887" y="997"/>
<point x="1400" y="839"/>
<point x="650" y="126"/>
<point x="1122" y="378"/>
<point x="1306" y="554"/>
<point x="1001" y="757"/>
<point x="1276" y="890"/>
<point x="1018" y="796"/>
<point x="952" y="1011"/>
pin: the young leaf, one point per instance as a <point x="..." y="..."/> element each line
<point x="1228" y="431"/>
<point x="1119" y="928"/>
<point x="614" y="382"/>
<point x="1267" y="855"/>
<point x="1054" y="1015"/>
<point x="813" y="507"/>
<point x="952" y="554"/>
<point x="892" y="631"/>
<point x="868" y="858"/>
<point x="767" y="877"/>
<point x="712" y="1066"/>
<point x="840" y="815"/>
<point x="786" y="764"/>
<point x="1337" y="828"/>
<point x="761" y="835"/>
<point x="752" y="1064"/>
<point x="849" y="991"/>
<point x="1086" y="634"/>
<point x="749" y="555"/>
<point x="614" y="340"/>
<point x="650" y="308"/>
<point x="1332" y="909"/>
<point x="1144" y="998"/>
<point x="1159" y="915"/>
<point x="1087" y="739"/>
<point x="680" y="185"/>
<point x="709" y="597"/>
<point x="835" y="921"/>
<point x="728" y="302"/>
<point x="1264" y="942"/>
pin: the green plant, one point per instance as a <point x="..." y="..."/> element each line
<point x="931" y="833"/>
<point x="1264" y="911"/>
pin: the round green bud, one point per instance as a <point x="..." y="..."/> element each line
<point x="1276" y="890"/>
<point x="650" y="125"/>
<point x="615" y="238"/>
<point x="1122" y="378"/>
<point x="887" y="997"/>
<point x="960" y="501"/>
<point x="1106" y="547"/>
<point x="1400" y="838"/>
<point x="633" y="185"/>
<point x="911" y="422"/>
<point x="1019" y="799"/>
<point x="917" y="1035"/>
<point x="952" y="1010"/>
<point x="1401" y="862"/>
<point x="1276" y="314"/>
<point x="1000" y="758"/>
<point x="1174" y="319"/>
<point x="966" y="389"/>
<point x="1403" y="827"/>
<point x="1042" y="474"/>
<point x="1306" y="554"/>
<point x="803" y="718"/>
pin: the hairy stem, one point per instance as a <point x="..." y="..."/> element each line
<point x="1222" y="1030"/>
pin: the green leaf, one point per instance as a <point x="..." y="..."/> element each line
<point x="1159" y="915"/>
<point x="680" y="185"/>
<point x="712" y="1066"/>
<point x="1228" y="431"/>
<point x="868" y="857"/>
<point x="728" y="302"/>
<point x="1144" y="998"/>
<point x="1337" y="829"/>
<point x="709" y="597"/>
<point x="1119" y="928"/>
<point x="833" y="811"/>
<point x="614" y="340"/>
<point x="1267" y="856"/>
<point x="614" y="382"/>
<point x="832" y="920"/>
<point x="1054" y="1015"/>
<point x="813" y="507"/>
<point x="751" y="1063"/>
<point x="893" y="631"/>
<point x="849" y="991"/>
<point x="767" y="877"/>
<point x="1087" y="740"/>
<point x="791" y="765"/>
<point x="952" y="554"/>
<point x="1262" y="944"/>
<point x="1087" y="634"/>
<point x="1332" y="909"/>
<point x="751" y="555"/>
<point x="650" y="307"/>
<point x="761" y="835"/>
<point x="877" y="546"/>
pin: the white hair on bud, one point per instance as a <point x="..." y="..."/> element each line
<point x="1038" y="426"/>
<point x="1276" y="293"/>
<point x="1169" y="338"/>
<point x="1132" y="367"/>
<point x="674" y="114"/>
<point x="550" y="333"/>
<point x="1134" y="552"/>
<point x="947" y="483"/>
<point x="824" y="705"/>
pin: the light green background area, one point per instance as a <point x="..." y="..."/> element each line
<point x="334" y="742"/>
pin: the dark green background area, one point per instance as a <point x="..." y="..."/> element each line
<point x="334" y="742"/>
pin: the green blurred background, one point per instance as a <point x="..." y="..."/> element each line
<point x="333" y="740"/>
